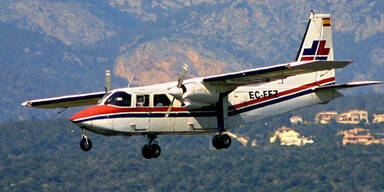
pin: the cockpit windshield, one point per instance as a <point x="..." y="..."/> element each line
<point x="119" y="99"/>
<point x="103" y="98"/>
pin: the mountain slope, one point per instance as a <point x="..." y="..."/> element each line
<point x="50" y="48"/>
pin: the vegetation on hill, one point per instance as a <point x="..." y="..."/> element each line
<point x="45" y="156"/>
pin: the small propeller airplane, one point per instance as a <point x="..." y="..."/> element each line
<point x="212" y="104"/>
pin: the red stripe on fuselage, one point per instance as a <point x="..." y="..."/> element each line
<point x="108" y="109"/>
<point x="283" y="93"/>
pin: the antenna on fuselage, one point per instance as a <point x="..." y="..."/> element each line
<point x="130" y="80"/>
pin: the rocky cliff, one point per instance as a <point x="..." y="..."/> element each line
<point x="50" y="48"/>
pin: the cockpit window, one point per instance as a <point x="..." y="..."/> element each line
<point x="161" y="100"/>
<point x="120" y="99"/>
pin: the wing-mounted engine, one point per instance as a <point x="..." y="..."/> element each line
<point x="195" y="95"/>
<point x="198" y="95"/>
<point x="198" y="92"/>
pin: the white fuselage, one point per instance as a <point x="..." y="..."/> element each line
<point x="246" y="104"/>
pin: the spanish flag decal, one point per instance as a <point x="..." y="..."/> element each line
<point x="326" y="22"/>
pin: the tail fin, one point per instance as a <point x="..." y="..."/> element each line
<point x="317" y="43"/>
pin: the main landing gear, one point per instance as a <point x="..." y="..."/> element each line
<point x="85" y="143"/>
<point x="151" y="149"/>
<point x="221" y="141"/>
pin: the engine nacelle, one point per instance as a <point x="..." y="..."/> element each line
<point x="194" y="105"/>
<point x="199" y="93"/>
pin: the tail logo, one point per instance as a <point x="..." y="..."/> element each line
<point x="316" y="52"/>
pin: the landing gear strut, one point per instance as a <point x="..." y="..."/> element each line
<point x="221" y="141"/>
<point x="85" y="143"/>
<point x="151" y="149"/>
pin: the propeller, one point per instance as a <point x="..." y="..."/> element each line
<point x="182" y="77"/>
<point x="107" y="81"/>
<point x="178" y="91"/>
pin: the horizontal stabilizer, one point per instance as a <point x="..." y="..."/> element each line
<point x="349" y="85"/>
<point x="271" y="73"/>
<point x="320" y="65"/>
<point x="66" y="101"/>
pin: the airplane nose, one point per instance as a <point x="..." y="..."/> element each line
<point x="76" y="116"/>
<point x="81" y="119"/>
<point x="88" y="118"/>
<point x="88" y="112"/>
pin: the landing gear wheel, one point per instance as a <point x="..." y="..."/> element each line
<point x="86" y="144"/>
<point x="151" y="151"/>
<point x="156" y="150"/>
<point x="216" y="142"/>
<point x="221" y="141"/>
<point x="226" y="140"/>
<point x="146" y="151"/>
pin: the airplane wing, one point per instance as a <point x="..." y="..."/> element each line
<point x="271" y="73"/>
<point x="66" y="101"/>
<point x="349" y="85"/>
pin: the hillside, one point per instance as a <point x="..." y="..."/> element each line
<point x="50" y="48"/>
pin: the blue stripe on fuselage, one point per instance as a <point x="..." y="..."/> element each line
<point x="197" y="114"/>
<point x="270" y="102"/>
<point x="149" y="115"/>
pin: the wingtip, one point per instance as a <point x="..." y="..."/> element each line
<point x="365" y="82"/>
<point x="26" y="104"/>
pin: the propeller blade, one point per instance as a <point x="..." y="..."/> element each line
<point x="107" y="81"/>
<point x="175" y="91"/>
<point x="182" y="76"/>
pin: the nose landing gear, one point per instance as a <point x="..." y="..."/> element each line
<point x="152" y="149"/>
<point x="85" y="142"/>
<point x="221" y="141"/>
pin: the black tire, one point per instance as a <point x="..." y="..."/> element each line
<point x="216" y="141"/>
<point x="155" y="150"/>
<point x="225" y="141"/>
<point x="146" y="151"/>
<point x="84" y="145"/>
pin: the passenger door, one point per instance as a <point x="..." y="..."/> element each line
<point x="140" y="120"/>
<point x="158" y="122"/>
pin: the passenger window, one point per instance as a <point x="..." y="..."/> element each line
<point x="142" y="100"/>
<point x="161" y="100"/>
<point x="120" y="99"/>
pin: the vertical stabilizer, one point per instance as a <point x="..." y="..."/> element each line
<point x="317" y="43"/>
